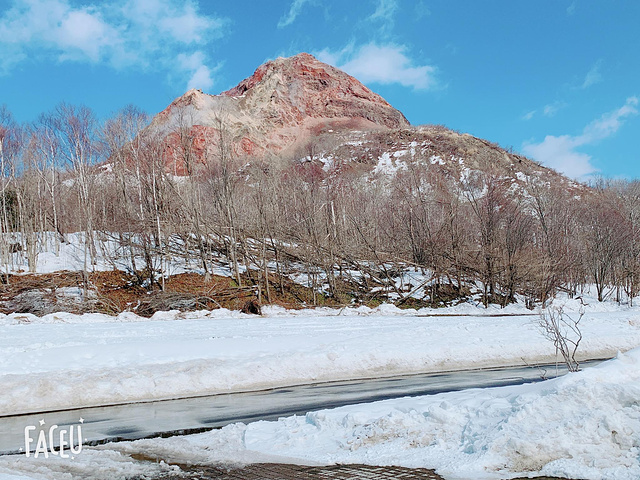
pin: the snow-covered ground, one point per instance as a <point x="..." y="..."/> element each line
<point x="64" y="360"/>
<point x="584" y="426"/>
<point x="51" y="255"/>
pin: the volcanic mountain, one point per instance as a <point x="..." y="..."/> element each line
<point x="302" y="109"/>
<point x="284" y="103"/>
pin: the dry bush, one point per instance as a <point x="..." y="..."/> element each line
<point x="564" y="331"/>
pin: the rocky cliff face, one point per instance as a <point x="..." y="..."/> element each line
<point x="280" y="107"/>
<point x="292" y="91"/>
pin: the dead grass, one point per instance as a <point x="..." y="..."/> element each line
<point x="117" y="291"/>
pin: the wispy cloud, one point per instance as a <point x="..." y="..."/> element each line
<point x="294" y="10"/>
<point x="609" y="123"/>
<point x="571" y="9"/>
<point x="549" y="110"/>
<point x="143" y="34"/>
<point x="383" y="17"/>
<point x="385" y="11"/>
<point x="383" y="64"/>
<point x="421" y="10"/>
<point x="561" y="152"/>
<point x="593" y="76"/>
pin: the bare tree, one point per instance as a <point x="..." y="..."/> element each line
<point x="46" y="160"/>
<point x="628" y="195"/>
<point x="603" y="234"/>
<point x="75" y="129"/>
<point x="11" y="146"/>
<point x="220" y="173"/>
<point x="484" y="196"/>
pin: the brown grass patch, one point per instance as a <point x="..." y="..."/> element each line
<point x="116" y="291"/>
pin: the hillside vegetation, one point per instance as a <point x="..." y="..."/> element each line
<point x="348" y="215"/>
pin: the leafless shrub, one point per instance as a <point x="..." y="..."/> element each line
<point x="564" y="331"/>
<point x="541" y="370"/>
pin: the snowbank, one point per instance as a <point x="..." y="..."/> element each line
<point x="65" y="361"/>
<point x="584" y="425"/>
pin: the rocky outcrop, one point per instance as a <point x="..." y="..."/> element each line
<point x="280" y="107"/>
<point x="290" y="91"/>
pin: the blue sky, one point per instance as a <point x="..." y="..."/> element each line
<point x="558" y="80"/>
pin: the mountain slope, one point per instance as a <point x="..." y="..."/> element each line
<point x="283" y="104"/>
<point x="300" y="108"/>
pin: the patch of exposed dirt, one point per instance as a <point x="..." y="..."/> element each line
<point x="115" y="291"/>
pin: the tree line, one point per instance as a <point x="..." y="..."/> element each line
<point x="344" y="230"/>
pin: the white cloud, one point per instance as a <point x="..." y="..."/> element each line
<point x="201" y="78"/>
<point x="593" y="76"/>
<point x="188" y="26"/>
<point x="571" y="9"/>
<point x="201" y="74"/>
<point x="294" y="10"/>
<point x="529" y="115"/>
<point x="71" y="33"/>
<point x="334" y="58"/>
<point x="383" y="64"/>
<point x="560" y="153"/>
<point x="83" y="34"/>
<point x="144" y="34"/>
<point x="609" y="123"/>
<point x="175" y="21"/>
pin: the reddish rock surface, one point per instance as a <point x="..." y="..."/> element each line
<point x="303" y="87"/>
<point x="280" y="108"/>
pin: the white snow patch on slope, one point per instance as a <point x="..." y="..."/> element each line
<point x="389" y="164"/>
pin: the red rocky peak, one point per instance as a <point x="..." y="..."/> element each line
<point x="318" y="90"/>
<point x="282" y="106"/>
